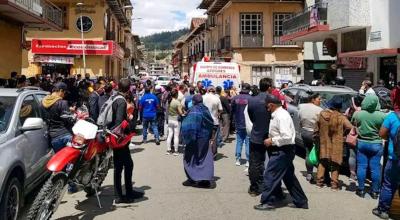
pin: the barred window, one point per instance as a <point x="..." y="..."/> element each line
<point x="278" y="22"/>
<point x="251" y="23"/>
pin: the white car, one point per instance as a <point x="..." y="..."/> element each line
<point x="163" y="80"/>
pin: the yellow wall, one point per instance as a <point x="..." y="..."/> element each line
<point x="10" y="48"/>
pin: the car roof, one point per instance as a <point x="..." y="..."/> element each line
<point x="335" y="89"/>
<point x="7" y="92"/>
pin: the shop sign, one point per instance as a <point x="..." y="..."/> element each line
<point x="375" y="36"/>
<point x="72" y="47"/>
<point x="53" y="59"/>
<point x="353" y="62"/>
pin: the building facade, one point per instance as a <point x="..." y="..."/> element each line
<point x="107" y="41"/>
<point x="16" y="18"/>
<point x="248" y="32"/>
<point x="362" y="33"/>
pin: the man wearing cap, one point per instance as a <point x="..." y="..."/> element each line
<point x="59" y="128"/>
<point x="239" y="103"/>
<point x="280" y="146"/>
<point x="214" y="105"/>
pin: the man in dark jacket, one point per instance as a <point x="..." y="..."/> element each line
<point x="239" y="103"/>
<point x="122" y="156"/>
<point x="225" y="115"/>
<point x="260" y="118"/>
<point x="94" y="97"/>
<point x="160" y="111"/>
<point x="55" y="106"/>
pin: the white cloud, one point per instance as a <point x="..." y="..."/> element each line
<point x="163" y="15"/>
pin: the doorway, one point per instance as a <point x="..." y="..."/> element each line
<point x="388" y="71"/>
<point x="56" y="68"/>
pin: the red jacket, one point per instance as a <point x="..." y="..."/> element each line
<point x="395" y="97"/>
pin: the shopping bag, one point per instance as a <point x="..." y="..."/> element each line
<point x="313" y="157"/>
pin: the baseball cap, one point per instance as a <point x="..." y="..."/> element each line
<point x="61" y="86"/>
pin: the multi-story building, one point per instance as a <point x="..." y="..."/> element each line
<point x="249" y="33"/>
<point x="362" y="33"/>
<point x="16" y="17"/>
<point x="106" y="46"/>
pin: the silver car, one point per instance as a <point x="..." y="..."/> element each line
<point x="298" y="94"/>
<point x="24" y="147"/>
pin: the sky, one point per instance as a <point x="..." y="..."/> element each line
<point x="163" y="15"/>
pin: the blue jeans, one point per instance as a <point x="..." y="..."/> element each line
<point x="391" y="180"/>
<point x="60" y="142"/>
<point x="242" y="138"/>
<point x="369" y="154"/>
<point x="153" y="126"/>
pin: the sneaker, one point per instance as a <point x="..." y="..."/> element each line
<point x="360" y="193"/>
<point x="238" y="162"/>
<point x="309" y="178"/>
<point x="380" y="214"/>
<point x="247" y="164"/>
<point x="176" y="154"/>
<point x="168" y="152"/>
<point x="246" y="170"/>
<point x="144" y="142"/>
<point x="374" y="195"/>
<point x="157" y="142"/>
<point x="353" y="177"/>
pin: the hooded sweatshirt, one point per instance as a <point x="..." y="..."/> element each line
<point x="55" y="106"/>
<point x="369" y="120"/>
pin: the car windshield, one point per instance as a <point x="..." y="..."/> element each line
<point x="345" y="97"/>
<point x="6" y="109"/>
<point x="163" y="78"/>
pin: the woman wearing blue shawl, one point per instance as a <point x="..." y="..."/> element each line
<point x="197" y="130"/>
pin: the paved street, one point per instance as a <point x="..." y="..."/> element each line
<point x="160" y="176"/>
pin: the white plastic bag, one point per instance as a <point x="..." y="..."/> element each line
<point x="249" y="124"/>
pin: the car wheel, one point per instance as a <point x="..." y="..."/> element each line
<point x="11" y="200"/>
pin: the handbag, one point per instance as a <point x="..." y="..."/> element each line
<point x="313" y="157"/>
<point x="351" y="138"/>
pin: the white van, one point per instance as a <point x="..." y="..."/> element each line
<point x="224" y="74"/>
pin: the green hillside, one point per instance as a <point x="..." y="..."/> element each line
<point x="163" y="40"/>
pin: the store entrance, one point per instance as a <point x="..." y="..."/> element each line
<point x="55" y="68"/>
<point x="388" y="71"/>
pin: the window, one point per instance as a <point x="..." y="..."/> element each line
<point x="259" y="72"/>
<point x="278" y="22"/>
<point x="251" y="24"/>
<point x="29" y="109"/>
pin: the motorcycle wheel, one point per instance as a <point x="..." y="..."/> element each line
<point x="101" y="176"/>
<point x="48" y="199"/>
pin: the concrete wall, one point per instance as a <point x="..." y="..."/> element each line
<point x="313" y="51"/>
<point x="347" y="13"/>
<point x="10" y="48"/>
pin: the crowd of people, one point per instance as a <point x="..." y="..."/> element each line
<point x="196" y="120"/>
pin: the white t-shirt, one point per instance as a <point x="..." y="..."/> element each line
<point x="213" y="103"/>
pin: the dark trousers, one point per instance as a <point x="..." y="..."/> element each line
<point x="160" y="123"/>
<point x="123" y="160"/>
<point x="280" y="167"/>
<point x="256" y="166"/>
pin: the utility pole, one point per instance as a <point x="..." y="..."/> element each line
<point x="80" y="5"/>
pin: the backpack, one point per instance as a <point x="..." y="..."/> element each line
<point x="106" y="111"/>
<point x="396" y="140"/>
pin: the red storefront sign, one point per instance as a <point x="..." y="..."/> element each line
<point x="353" y="62"/>
<point x="75" y="47"/>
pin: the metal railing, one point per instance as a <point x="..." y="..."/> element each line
<point x="302" y="20"/>
<point x="277" y="41"/>
<point x="42" y="8"/>
<point x="252" y="40"/>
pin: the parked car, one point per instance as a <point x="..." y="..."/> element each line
<point x="24" y="147"/>
<point x="163" y="80"/>
<point x="299" y="93"/>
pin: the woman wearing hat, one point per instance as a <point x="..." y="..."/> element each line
<point x="330" y="128"/>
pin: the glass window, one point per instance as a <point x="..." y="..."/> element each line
<point x="251" y="23"/>
<point x="29" y="109"/>
<point x="6" y="110"/>
<point x="278" y="22"/>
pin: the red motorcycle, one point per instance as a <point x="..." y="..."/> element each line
<point x="85" y="163"/>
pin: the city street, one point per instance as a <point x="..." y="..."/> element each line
<point x="161" y="177"/>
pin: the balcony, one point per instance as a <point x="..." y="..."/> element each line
<point x="33" y="13"/>
<point x="117" y="9"/>
<point x="278" y="42"/>
<point x="252" y="40"/>
<point x="225" y="43"/>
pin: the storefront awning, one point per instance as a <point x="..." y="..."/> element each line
<point x="75" y="47"/>
<point x="371" y="53"/>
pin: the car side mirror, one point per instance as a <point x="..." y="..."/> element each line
<point x="31" y="124"/>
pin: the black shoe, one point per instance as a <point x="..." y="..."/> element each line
<point x="264" y="207"/>
<point x="144" y="142"/>
<point x="122" y="200"/>
<point x="374" y="195"/>
<point x="157" y="142"/>
<point x="188" y="183"/>
<point x="135" y="195"/>
<point x="203" y="184"/>
<point x="360" y="193"/>
<point x="253" y="193"/>
<point x="292" y="205"/>
<point x="380" y="214"/>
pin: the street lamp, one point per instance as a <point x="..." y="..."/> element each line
<point x="80" y="5"/>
